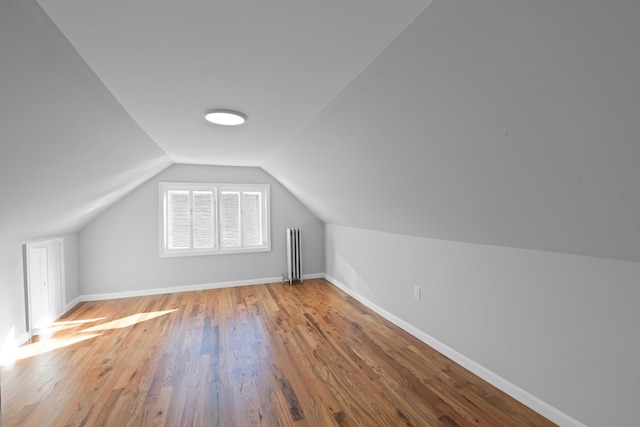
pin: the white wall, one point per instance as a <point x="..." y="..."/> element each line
<point x="119" y="251"/>
<point x="12" y="298"/>
<point x="71" y="267"/>
<point x="562" y="327"/>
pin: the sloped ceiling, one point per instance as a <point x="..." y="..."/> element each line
<point x="278" y="61"/>
<point x="70" y="149"/>
<point x="512" y="123"/>
<point x="67" y="148"/>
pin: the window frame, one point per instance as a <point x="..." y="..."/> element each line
<point x="217" y="189"/>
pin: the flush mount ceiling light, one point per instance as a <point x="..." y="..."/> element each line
<point x="225" y="117"/>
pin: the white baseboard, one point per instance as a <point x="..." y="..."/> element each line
<point x="492" y="378"/>
<point x="175" y="289"/>
<point x="186" y="288"/>
<point x="68" y="307"/>
<point x="9" y="349"/>
<point x="22" y="339"/>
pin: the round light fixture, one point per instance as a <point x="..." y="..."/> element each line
<point x="225" y="117"/>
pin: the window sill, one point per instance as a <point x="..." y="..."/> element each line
<point x="173" y="254"/>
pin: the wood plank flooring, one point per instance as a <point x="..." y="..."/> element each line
<point x="271" y="355"/>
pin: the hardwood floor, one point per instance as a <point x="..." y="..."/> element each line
<point x="273" y="355"/>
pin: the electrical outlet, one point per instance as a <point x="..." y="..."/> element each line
<point x="416" y="292"/>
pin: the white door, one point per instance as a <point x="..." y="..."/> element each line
<point x="38" y="287"/>
<point x="45" y="282"/>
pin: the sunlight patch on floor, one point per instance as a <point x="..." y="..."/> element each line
<point x="129" y="320"/>
<point x="47" y="345"/>
<point x="46" y="341"/>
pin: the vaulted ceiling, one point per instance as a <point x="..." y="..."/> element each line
<point x="510" y="123"/>
<point x="279" y="62"/>
<point x="97" y="96"/>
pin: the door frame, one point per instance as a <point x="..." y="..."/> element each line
<point x="55" y="278"/>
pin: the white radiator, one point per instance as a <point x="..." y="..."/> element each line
<point x="294" y="263"/>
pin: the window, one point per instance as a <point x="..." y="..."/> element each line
<point x="201" y="219"/>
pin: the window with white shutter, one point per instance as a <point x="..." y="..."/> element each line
<point x="179" y="234"/>
<point x="201" y="219"/>
<point x="230" y="219"/>
<point x="252" y="218"/>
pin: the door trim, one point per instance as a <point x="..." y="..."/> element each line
<point x="55" y="279"/>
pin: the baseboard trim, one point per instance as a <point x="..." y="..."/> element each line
<point x="9" y="349"/>
<point x="185" y="288"/>
<point x="68" y="307"/>
<point x="497" y="381"/>
<point x="22" y="339"/>
<point x="313" y="276"/>
<point x="175" y="289"/>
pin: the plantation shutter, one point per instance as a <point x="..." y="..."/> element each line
<point x="230" y="219"/>
<point x="252" y="218"/>
<point x="203" y="217"/>
<point x="178" y="220"/>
